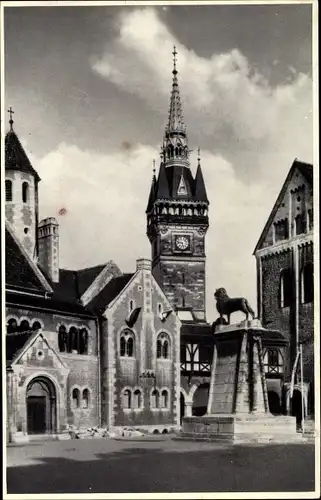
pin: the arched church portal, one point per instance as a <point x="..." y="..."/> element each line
<point x="200" y="400"/>
<point x="41" y="406"/>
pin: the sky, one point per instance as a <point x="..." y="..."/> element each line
<point x="90" y="89"/>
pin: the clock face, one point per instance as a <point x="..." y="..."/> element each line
<point x="182" y="242"/>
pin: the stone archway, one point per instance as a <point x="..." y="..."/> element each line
<point x="200" y="399"/>
<point x="41" y="406"/>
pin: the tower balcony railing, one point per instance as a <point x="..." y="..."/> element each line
<point x="178" y="218"/>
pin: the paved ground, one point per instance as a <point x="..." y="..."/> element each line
<point x="108" y="466"/>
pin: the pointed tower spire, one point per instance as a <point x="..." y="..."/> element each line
<point x="175" y="117"/>
<point x="154" y="170"/>
<point x="175" y="148"/>
<point x="152" y="192"/>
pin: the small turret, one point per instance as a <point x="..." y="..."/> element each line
<point x="48" y="245"/>
<point x="21" y="191"/>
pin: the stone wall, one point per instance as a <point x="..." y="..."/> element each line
<point x="82" y="370"/>
<point x="23" y="216"/>
<point x="130" y="373"/>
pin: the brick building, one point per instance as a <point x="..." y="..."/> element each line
<point x="284" y="255"/>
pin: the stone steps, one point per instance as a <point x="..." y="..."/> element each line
<point x="243" y="438"/>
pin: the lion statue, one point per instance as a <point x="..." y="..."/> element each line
<point x="226" y="306"/>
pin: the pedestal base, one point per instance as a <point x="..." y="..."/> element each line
<point x="240" y="428"/>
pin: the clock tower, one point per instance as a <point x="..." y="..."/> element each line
<point x="177" y="217"/>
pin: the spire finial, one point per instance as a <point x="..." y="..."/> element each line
<point x="198" y="155"/>
<point x="174" y="60"/>
<point x="11" y="112"/>
<point x="154" y="169"/>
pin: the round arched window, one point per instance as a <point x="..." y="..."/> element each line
<point x="25" y="192"/>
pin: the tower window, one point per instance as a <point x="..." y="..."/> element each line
<point x="8" y="190"/>
<point x="307" y="285"/>
<point x="76" y="398"/>
<point x="286" y="288"/>
<point x="25" y="192"/>
<point x="281" y="229"/>
<point x="137" y="399"/>
<point x="127" y="344"/>
<point x="310" y="219"/>
<point x="163" y="346"/>
<point x="85" y="398"/>
<point x="24" y="326"/>
<point x="36" y="325"/>
<point x="164" y="399"/>
<point x="62" y="339"/>
<point x="299" y="224"/>
<point x="127" y="399"/>
<point x="154" y="402"/>
<point x="12" y="326"/>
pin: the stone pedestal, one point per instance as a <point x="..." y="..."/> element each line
<point x="238" y="403"/>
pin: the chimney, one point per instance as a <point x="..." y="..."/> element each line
<point x="144" y="264"/>
<point x="48" y="248"/>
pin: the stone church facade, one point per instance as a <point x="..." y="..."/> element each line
<point x="285" y="284"/>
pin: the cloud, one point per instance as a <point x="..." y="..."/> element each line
<point x="100" y="201"/>
<point x="233" y="107"/>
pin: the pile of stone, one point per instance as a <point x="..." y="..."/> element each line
<point x="91" y="432"/>
<point x="125" y="432"/>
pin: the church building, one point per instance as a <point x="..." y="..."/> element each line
<point x="285" y="290"/>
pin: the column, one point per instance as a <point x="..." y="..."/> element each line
<point x="10" y="405"/>
<point x="188" y="408"/>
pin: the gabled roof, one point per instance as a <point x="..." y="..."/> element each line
<point x="171" y="178"/>
<point x="18" y="343"/>
<point x="109" y="292"/>
<point x="86" y="276"/>
<point x="151" y="195"/>
<point x="306" y="170"/>
<point x="162" y="190"/>
<point x="174" y="175"/>
<point x="21" y="272"/>
<point x="15" y="156"/>
<point x="15" y="343"/>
